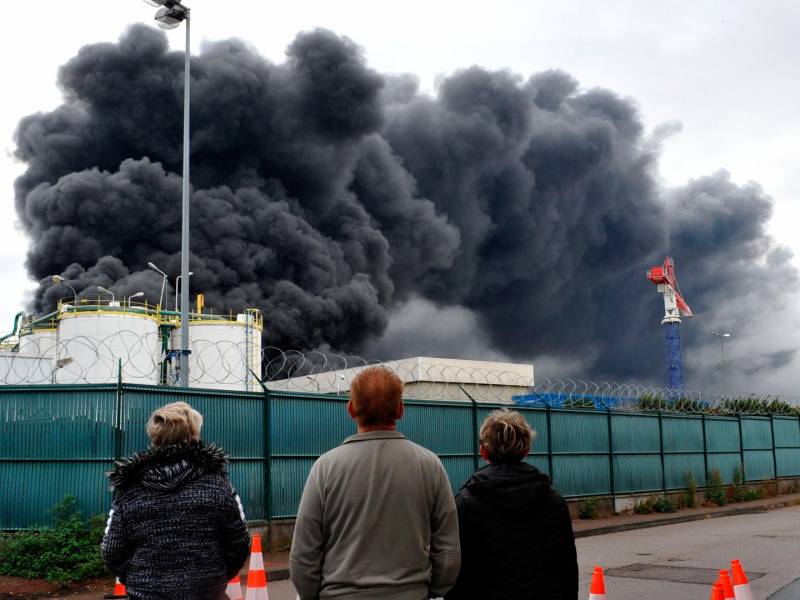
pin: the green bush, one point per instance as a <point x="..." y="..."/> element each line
<point x="588" y="509"/>
<point x="738" y="489"/>
<point x="644" y="507"/>
<point x="663" y="504"/>
<point x="715" y="492"/>
<point x="67" y="552"/>
<point x="691" y="490"/>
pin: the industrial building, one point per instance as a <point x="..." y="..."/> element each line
<point x="100" y="341"/>
<point x="425" y="377"/>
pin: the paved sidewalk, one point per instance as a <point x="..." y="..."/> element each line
<point x="277" y="564"/>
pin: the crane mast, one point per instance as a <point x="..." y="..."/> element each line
<point x="675" y="308"/>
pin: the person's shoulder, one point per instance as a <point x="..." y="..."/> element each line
<point x="423" y="454"/>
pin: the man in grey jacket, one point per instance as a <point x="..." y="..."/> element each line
<point x="377" y="519"/>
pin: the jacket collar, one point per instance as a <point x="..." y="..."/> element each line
<point x="207" y="458"/>
<point x="374" y="435"/>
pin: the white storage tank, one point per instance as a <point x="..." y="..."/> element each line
<point x="224" y="351"/>
<point x="93" y="341"/>
<point x="39" y="342"/>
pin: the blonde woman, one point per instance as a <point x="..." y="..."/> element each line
<point x="515" y="530"/>
<point x="176" y="527"/>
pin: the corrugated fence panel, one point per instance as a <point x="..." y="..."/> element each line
<point x="683" y="450"/>
<point x="787" y="446"/>
<point x="722" y="434"/>
<point x="580" y="452"/>
<point x="54" y="441"/>
<point x="758" y="465"/>
<point x="637" y="452"/>
<point x="757" y="444"/>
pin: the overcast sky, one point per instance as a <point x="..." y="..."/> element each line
<point x="727" y="72"/>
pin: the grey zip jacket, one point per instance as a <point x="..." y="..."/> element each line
<point x="377" y="520"/>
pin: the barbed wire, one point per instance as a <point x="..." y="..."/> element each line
<point x="227" y="364"/>
<point x="577" y="393"/>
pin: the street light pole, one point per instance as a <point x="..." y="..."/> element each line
<point x="177" y="287"/>
<point x="184" y="374"/>
<point x="721" y="337"/>
<point x="171" y="14"/>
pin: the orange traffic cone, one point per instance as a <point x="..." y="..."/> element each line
<point x="597" y="590"/>
<point x="727" y="587"/>
<point x="119" y="591"/>
<point x="257" y="576"/>
<point x="717" y="593"/>
<point x="741" y="587"/>
<point x="234" y="589"/>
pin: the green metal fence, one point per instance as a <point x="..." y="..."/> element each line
<point x="57" y="440"/>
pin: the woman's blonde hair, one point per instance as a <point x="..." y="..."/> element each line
<point x="506" y="436"/>
<point x="174" y="423"/>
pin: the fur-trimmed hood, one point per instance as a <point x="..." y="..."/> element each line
<point x="168" y="467"/>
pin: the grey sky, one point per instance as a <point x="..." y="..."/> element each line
<point x="726" y="71"/>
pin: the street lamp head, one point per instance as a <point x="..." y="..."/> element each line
<point x="136" y="295"/>
<point x="170" y="18"/>
<point x="58" y="279"/>
<point x="726" y="335"/>
<point x="157" y="3"/>
<point x="155" y="268"/>
<point x="102" y="289"/>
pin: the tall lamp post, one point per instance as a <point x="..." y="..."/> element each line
<point x="722" y="337"/>
<point x="169" y="16"/>
<point x="177" y="287"/>
<point x="60" y="279"/>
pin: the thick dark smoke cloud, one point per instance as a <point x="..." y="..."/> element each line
<point x="329" y="195"/>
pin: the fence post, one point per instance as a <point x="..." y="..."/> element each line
<point x="266" y="417"/>
<point x="476" y="445"/>
<point x="661" y="452"/>
<point x="610" y="457"/>
<point x="549" y="442"/>
<point x="117" y="418"/>
<point x="774" y="452"/>
<point x="741" y="447"/>
<point x="705" y="450"/>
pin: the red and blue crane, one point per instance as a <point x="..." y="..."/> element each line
<point x="675" y="309"/>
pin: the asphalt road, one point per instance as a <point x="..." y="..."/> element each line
<point x="767" y="543"/>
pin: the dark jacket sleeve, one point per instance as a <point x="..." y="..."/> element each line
<point x="467" y="535"/>
<point x="115" y="548"/>
<point x="564" y="558"/>
<point x="445" y="554"/>
<point x="235" y="541"/>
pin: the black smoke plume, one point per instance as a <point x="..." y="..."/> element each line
<point x="329" y="195"/>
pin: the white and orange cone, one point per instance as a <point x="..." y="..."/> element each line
<point x="741" y="587"/>
<point x="119" y="591"/>
<point x="597" y="590"/>
<point x="256" y="576"/>
<point x="234" y="589"/>
<point x="727" y="587"/>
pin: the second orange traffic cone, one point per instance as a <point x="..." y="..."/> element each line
<point x="257" y="576"/>
<point x="597" y="589"/>
<point x="234" y="589"/>
<point x="717" y="593"/>
<point x="741" y="587"/>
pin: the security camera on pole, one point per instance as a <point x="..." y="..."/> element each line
<point x="169" y="16"/>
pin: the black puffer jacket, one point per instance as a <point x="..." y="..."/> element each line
<point x="176" y="528"/>
<point x="516" y="537"/>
